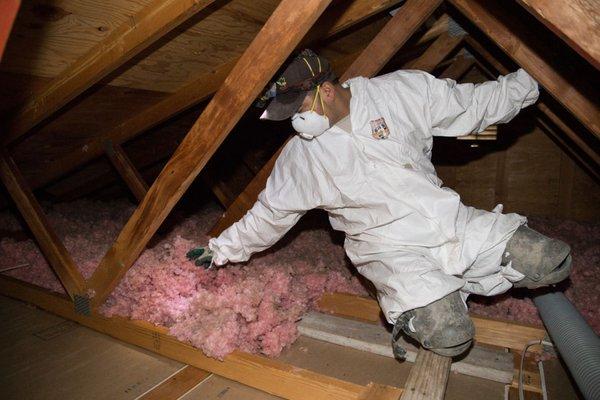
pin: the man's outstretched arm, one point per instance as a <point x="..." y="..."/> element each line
<point x="461" y="109"/>
<point x="259" y="229"/>
<point x="294" y="187"/>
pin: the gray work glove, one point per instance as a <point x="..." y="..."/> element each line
<point x="202" y="257"/>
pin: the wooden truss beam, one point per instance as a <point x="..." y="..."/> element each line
<point x="247" y="198"/>
<point x="279" y="36"/>
<point x="8" y="13"/>
<point x="118" y="158"/>
<point x="458" y="68"/>
<point x="57" y="255"/>
<point x="139" y="32"/>
<point x="262" y="373"/>
<point x="567" y="86"/>
<point x="244" y="201"/>
<point x="428" y="378"/>
<point x="576" y="22"/>
<point x="436" y="53"/>
<point x="198" y="90"/>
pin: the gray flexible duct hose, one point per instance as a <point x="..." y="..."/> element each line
<point x="575" y="340"/>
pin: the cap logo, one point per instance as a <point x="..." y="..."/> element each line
<point x="281" y="82"/>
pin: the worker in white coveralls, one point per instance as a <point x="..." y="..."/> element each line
<point x="363" y="154"/>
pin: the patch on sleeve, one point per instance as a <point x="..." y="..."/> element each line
<point x="379" y="129"/>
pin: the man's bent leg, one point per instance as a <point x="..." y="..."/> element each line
<point x="543" y="260"/>
<point x="443" y="326"/>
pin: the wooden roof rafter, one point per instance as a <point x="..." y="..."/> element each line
<point x="576" y="22"/>
<point x="53" y="249"/>
<point x="139" y="32"/>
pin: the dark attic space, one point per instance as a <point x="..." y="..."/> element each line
<point x="274" y="199"/>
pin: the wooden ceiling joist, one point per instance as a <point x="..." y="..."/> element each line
<point x="262" y="373"/>
<point x="383" y="54"/>
<point x="567" y="86"/>
<point x="258" y="64"/>
<point x="197" y="91"/>
<point x="55" y="252"/>
<point x="129" y="39"/>
<point x="428" y="378"/>
<point x="576" y="22"/>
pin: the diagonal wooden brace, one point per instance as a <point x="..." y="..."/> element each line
<point x="118" y="158"/>
<point x="273" y="44"/>
<point x="57" y="255"/>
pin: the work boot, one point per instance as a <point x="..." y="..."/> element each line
<point x="543" y="260"/>
<point x="443" y="326"/>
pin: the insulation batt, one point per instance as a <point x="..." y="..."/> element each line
<point x="255" y="306"/>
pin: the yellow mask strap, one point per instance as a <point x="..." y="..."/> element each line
<point x="318" y="94"/>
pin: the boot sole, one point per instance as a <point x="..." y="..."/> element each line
<point x="559" y="274"/>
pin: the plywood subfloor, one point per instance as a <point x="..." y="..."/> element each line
<point x="45" y="357"/>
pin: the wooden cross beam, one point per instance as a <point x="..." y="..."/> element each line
<point x="57" y="255"/>
<point x="569" y="87"/>
<point x="139" y="32"/>
<point x="200" y="89"/>
<point x="247" y="198"/>
<point x="276" y="40"/>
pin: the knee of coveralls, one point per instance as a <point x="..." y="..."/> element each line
<point x="407" y="284"/>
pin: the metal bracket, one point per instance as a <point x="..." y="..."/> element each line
<point x="82" y="305"/>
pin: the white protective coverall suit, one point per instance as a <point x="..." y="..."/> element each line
<point x="410" y="236"/>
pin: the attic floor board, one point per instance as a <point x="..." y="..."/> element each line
<point x="43" y="356"/>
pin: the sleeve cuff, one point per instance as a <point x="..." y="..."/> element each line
<point x="218" y="258"/>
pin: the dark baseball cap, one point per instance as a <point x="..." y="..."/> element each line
<point x="303" y="74"/>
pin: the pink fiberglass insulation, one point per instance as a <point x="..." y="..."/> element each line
<point x="253" y="306"/>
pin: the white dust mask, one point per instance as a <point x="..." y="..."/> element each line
<point x="310" y="124"/>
